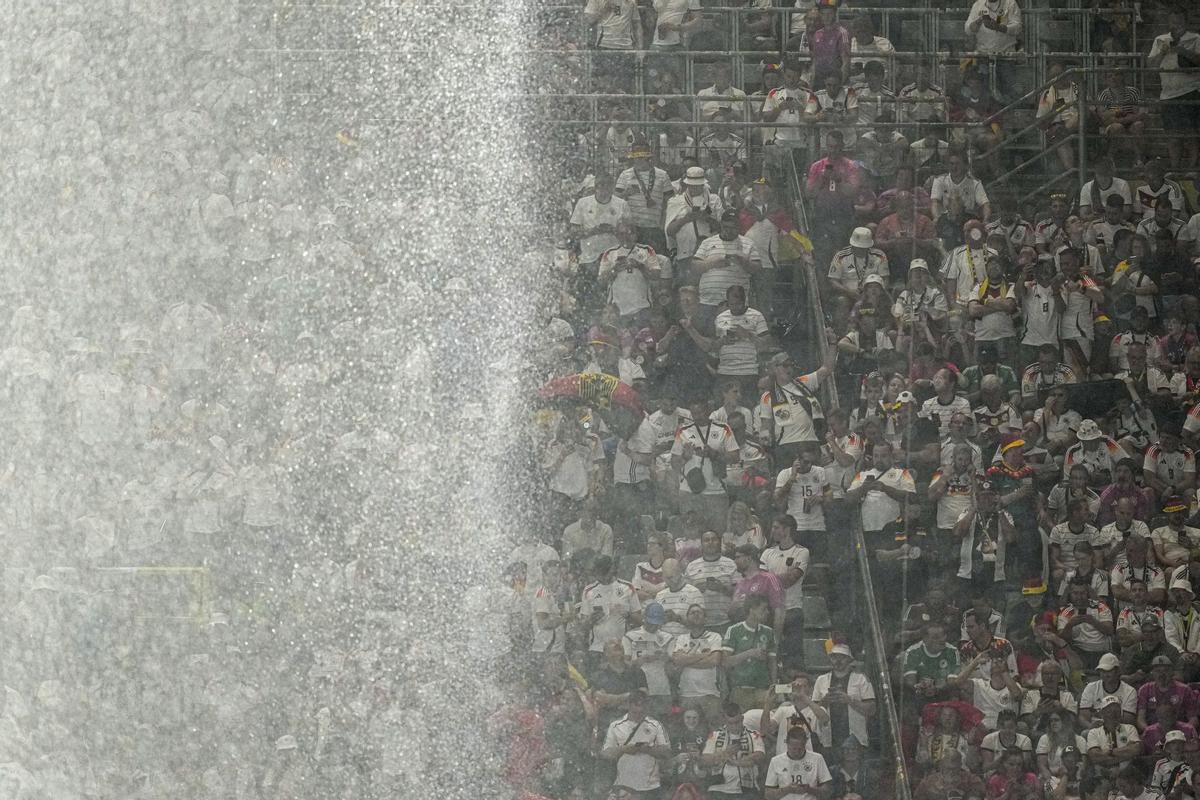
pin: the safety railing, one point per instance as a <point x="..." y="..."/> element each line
<point x="878" y="664"/>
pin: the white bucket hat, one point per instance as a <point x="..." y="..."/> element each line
<point x="695" y="177"/>
<point x="861" y="237"/>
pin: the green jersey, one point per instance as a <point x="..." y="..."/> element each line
<point x="936" y="666"/>
<point x="740" y="638"/>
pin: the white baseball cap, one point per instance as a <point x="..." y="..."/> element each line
<point x="841" y="650"/>
<point x="1108" y="661"/>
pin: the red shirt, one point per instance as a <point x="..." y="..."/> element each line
<point x="893" y="227"/>
<point x="844" y="171"/>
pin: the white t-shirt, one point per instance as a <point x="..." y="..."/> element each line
<point x="734" y="777"/>
<point x="698" y="681"/>
<point x="991" y="701"/>
<point x="778" y="562"/>
<point x="992" y="743"/>
<point x="672" y="11"/>
<point x="641" y="443"/>
<point x="969" y="190"/>
<point x="715" y="281"/>
<point x="801" y="774"/>
<point x="878" y="509"/>
<point x="716" y="604"/>
<point x="589" y="213"/>
<point x="614" y="28"/>
<point x="639" y="643"/>
<point x="813" y="483"/>
<point x="858" y="688"/>
<point x="1098" y="738"/>
<point x="1041" y="315"/>
<point x="942" y="413"/>
<point x="552" y="640"/>
<point x="1094" y="692"/>
<point x="638" y="771"/>
<point x="630" y="288"/>
<point x="616" y="600"/>
<point x="739" y="356"/>
<point x="691" y="234"/>
<point x="839" y="477"/>
<point x="1008" y="14"/>
<point x="995" y="326"/>
<point x="788" y="407"/>
<point x="719" y="438"/>
<point x="1119" y="186"/>
<point x="679" y="602"/>
<point x="1176" y="83"/>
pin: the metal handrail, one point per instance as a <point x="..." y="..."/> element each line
<point x="883" y="676"/>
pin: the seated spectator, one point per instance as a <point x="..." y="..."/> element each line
<point x="1044" y="376"/>
<point x="1086" y="624"/>
<point x="1095" y="450"/>
<point x="1169" y="723"/>
<point x="1163" y="690"/>
<point x="865" y="42"/>
<point x="1018" y="233"/>
<point x="958" y="196"/>
<point x="1109" y="684"/>
<point x="1002" y="742"/>
<point x="1172" y="775"/>
<point x="1051" y="698"/>
<point x="1050" y="233"/>
<point x="950" y="780"/>
<point x="722" y="95"/>
<point x="1014" y="779"/>
<point x="1101" y="232"/>
<point x="1157" y="191"/>
<point x="1176" y="539"/>
<point x="920" y="310"/>
<point x="991" y="695"/>
<point x="974" y="110"/>
<point x="1138" y="659"/>
<point x="1122" y="115"/>
<point x="1123" y="487"/>
<point x="834" y="102"/>
<point x="1113" y="742"/>
<point x="1095" y="194"/>
<point x="850" y="266"/>
<point x="906" y="234"/>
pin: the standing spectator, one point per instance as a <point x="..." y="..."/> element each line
<point x="799" y="773"/>
<point x="985" y="532"/>
<point x="724" y="260"/>
<point x="750" y="654"/>
<point x="723" y="94"/>
<point x="851" y="265"/>
<point x="606" y="605"/>
<point x="648" y="648"/>
<point x="802" y="491"/>
<point x="847" y="696"/>
<point x="594" y="223"/>
<point x="618" y="26"/>
<point x="1157" y="191"/>
<point x="646" y="188"/>
<point x="676" y="597"/>
<point x="789" y="412"/>
<point x="701" y="451"/>
<point x="1113" y="742"/>
<point x="834" y="183"/>
<point x="714" y="575"/>
<point x="691" y="217"/>
<point x="755" y="581"/>
<point x="637" y="743"/>
<point x="1086" y="623"/>
<point x="1179" y="49"/>
<point x="740" y="333"/>
<point x="829" y="46"/>
<point x="733" y="753"/>
<point x="698" y="655"/>
<point x="834" y="102"/>
<point x="1094" y="195"/>
<point x="1058" y="114"/>
<point x="992" y="306"/>
<point x="587" y="533"/>
<point x="906" y="234"/>
<point x="996" y="28"/>
<point x="788" y="561"/>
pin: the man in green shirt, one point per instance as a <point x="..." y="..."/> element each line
<point x="751" y="660"/>
<point x="928" y="663"/>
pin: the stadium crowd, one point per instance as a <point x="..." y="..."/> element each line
<point x="1006" y="403"/>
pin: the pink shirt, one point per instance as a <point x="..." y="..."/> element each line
<point x="763" y="583"/>
<point x="829" y="46"/>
